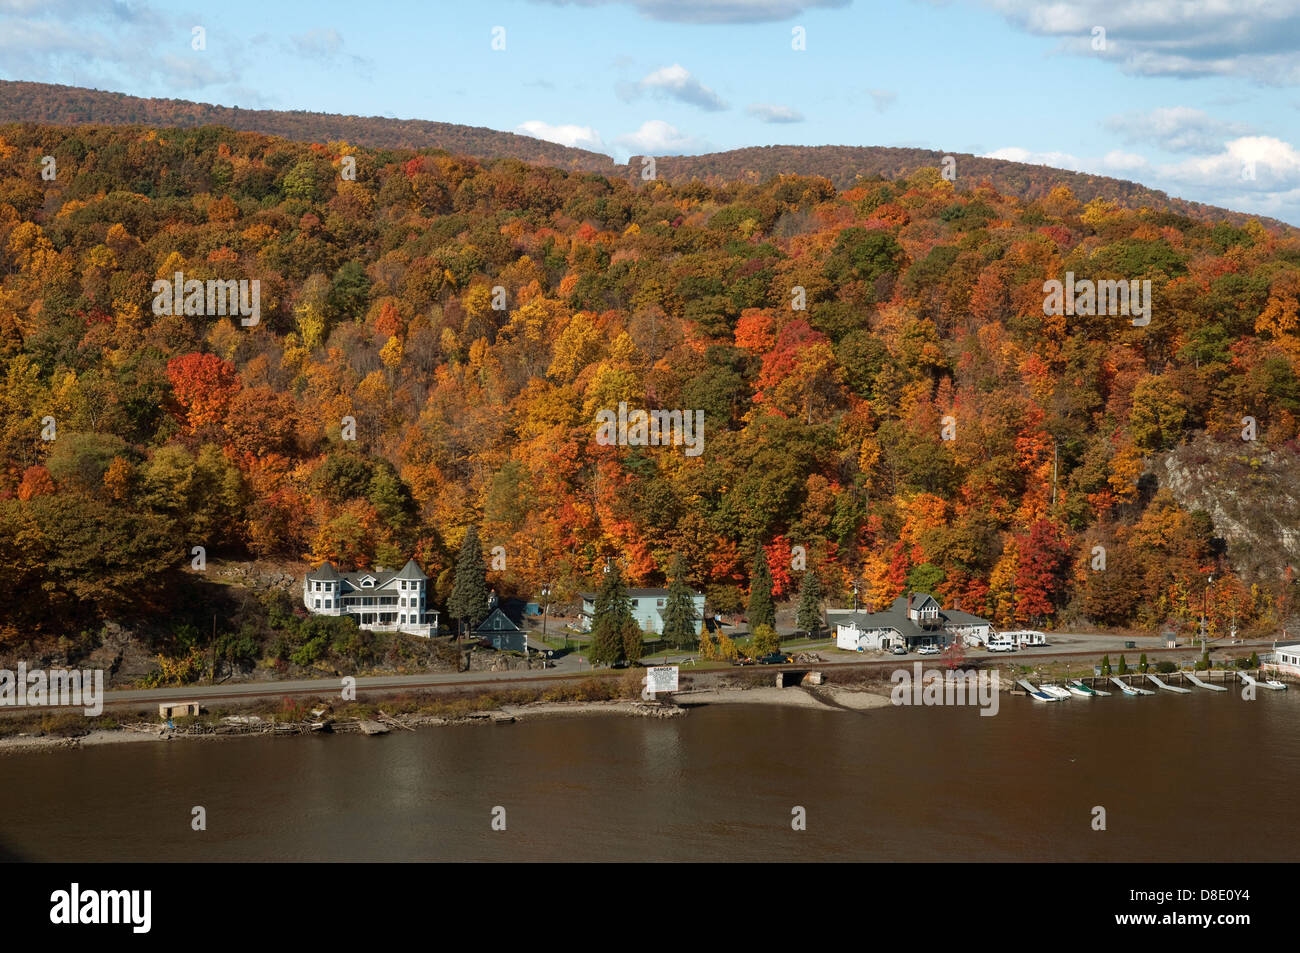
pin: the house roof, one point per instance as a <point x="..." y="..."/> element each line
<point x="327" y="573"/>
<point x="641" y="594"/>
<point x="896" y="617"/>
<point x="500" y="622"/>
<point x="411" y="571"/>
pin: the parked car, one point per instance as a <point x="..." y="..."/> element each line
<point x="743" y="660"/>
<point x="928" y="650"/>
<point x="899" y="650"/>
<point x="774" y="658"/>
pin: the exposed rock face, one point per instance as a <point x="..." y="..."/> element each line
<point x="257" y="577"/>
<point x="1252" y="494"/>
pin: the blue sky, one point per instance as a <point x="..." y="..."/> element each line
<point x="1200" y="98"/>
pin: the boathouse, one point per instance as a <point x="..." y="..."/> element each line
<point x="912" y="621"/>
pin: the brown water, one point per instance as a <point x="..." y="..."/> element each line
<point x="1201" y="777"/>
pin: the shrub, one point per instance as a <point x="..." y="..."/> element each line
<point x="1254" y="660"/>
<point x="1166" y="667"/>
<point x="764" y="641"/>
<point x="1142" y="662"/>
<point x="1105" y="665"/>
<point x="1123" y="666"/>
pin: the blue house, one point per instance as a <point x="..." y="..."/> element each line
<point x="647" y="608"/>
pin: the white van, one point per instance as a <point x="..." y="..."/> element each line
<point x="1001" y="645"/>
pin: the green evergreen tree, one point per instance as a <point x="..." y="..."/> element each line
<point x="1105" y="665"/>
<point x="680" y="621"/>
<point x="1142" y="662"/>
<point x="808" y="618"/>
<point x="761" y="610"/>
<point x="633" y="639"/>
<point x="468" y="603"/>
<point x="1123" y="666"/>
<point x="613" y="614"/>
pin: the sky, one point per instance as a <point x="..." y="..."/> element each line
<point x="1199" y="98"/>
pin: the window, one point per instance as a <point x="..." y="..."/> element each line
<point x="659" y="603"/>
<point x="403" y="583"/>
<point x="329" y="604"/>
<point x="318" y="587"/>
<point x="318" y="601"/>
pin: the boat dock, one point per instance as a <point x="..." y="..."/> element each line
<point x="1155" y="680"/>
<point x="1252" y="680"/>
<point x="1037" y="694"/>
<point x="1200" y="684"/>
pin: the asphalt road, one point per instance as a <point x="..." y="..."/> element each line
<point x="1062" y="646"/>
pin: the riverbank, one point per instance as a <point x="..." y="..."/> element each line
<point x="52" y="732"/>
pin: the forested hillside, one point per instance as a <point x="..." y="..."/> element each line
<point x="51" y="104"/>
<point x="842" y="165"/>
<point x="824" y="425"/>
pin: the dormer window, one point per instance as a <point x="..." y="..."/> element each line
<point x="367" y="582"/>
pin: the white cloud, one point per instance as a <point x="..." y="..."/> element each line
<point x="1248" y="164"/>
<point x="1257" y="39"/>
<point x="577" y="137"/>
<point x="883" y="98"/>
<point x="658" y="138"/>
<point x="768" y="112"/>
<point x="676" y="82"/>
<point x="1258" y="175"/>
<point x="1177" y="129"/>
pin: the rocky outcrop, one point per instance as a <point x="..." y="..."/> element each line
<point x="1252" y="494"/>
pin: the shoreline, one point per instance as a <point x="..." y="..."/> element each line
<point x="827" y="698"/>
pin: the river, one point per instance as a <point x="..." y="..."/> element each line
<point x="1198" y="777"/>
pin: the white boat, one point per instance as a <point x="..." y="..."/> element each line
<point x="1089" y="689"/>
<point x="1055" y="690"/>
<point x="1036" y="694"/>
<point x="1078" y="690"/>
<point x="1274" y="684"/>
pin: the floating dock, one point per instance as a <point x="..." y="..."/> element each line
<point x="1200" y="684"/>
<point x="1129" y="689"/>
<point x="1251" y="680"/>
<point x="1037" y="694"/>
<point x="1155" y="680"/>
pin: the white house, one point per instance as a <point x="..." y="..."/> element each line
<point x="380" y="601"/>
<point x="1285" y="658"/>
<point x="911" y="621"/>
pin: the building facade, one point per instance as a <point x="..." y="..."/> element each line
<point x="647" y="607"/>
<point x="380" y="600"/>
<point x="912" y="621"/>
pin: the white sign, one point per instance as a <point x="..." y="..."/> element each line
<point x="661" y="678"/>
